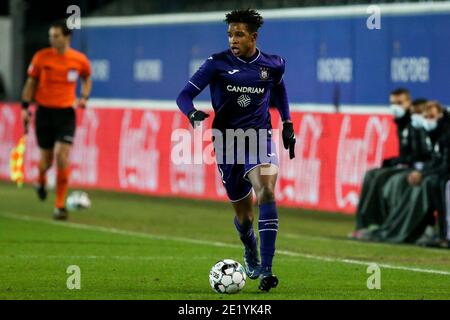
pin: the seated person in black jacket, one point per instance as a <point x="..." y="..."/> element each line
<point x="413" y="150"/>
<point x="411" y="197"/>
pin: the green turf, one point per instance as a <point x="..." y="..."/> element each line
<point x="159" y="258"/>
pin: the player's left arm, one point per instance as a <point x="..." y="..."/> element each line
<point x="86" y="87"/>
<point x="280" y="99"/>
<point x="86" y="84"/>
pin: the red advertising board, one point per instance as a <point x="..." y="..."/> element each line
<point x="131" y="150"/>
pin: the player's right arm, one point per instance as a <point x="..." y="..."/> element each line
<point x="29" y="89"/>
<point x="27" y="96"/>
<point x="196" y="84"/>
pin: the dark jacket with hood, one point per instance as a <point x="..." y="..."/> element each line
<point x="414" y="144"/>
<point x="440" y="157"/>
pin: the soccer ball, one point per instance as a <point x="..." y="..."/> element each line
<point x="78" y="200"/>
<point x="227" y="276"/>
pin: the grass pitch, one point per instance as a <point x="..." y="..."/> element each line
<point x="137" y="247"/>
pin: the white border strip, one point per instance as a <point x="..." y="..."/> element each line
<point x="214" y="243"/>
<point x="164" y="105"/>
<point x="285" y="13"/>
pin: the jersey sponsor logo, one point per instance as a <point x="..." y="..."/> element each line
<point x="264" y="73"/>
<point x="233" y="71"/>
<point x="245" y="89"/>
<point x="244" y="100"/>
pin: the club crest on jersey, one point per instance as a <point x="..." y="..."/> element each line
<point x="264" y="73"/>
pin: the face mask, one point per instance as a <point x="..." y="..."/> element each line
<point x="417" y="121"/>
<point x="430" y="124"/>
<point x="398" y="111"/>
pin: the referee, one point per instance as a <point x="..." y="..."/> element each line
<point x="52" y="79"/>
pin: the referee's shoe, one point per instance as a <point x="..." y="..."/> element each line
<point x="41" y="192"/>
<point x="60" y="214"/>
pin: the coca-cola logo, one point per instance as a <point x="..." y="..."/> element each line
<point x="7" y="122"/>
<point x="188" y="178"/>
<point x="356" y="155"/>
<point x="220" y="189"/>
<point x="138" y="153"/>
<point x="299" y="178"/>
<point x="84" y="156"/>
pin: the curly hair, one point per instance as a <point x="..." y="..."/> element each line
<point x="250" y="17"/>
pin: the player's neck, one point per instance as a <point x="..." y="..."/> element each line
<point x="62" y="50"/>
<point x="250" y="55"/>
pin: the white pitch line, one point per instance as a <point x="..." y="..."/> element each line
<point x="353" y="242"/>
<point x="91" y="257"/>
<point x="216" y="244"/>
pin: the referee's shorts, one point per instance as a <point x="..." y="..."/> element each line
<point x="54" y="125"/>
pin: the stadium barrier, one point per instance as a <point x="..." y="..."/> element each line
<point x="127" y="149"/>
<point x="332" y="56"/>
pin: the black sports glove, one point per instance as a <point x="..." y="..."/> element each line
<point x="196" y="116"/>
<point x="26" y="114"/>
<point x="289" y="138"/>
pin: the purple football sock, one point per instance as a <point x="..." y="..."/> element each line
<point x="268" y="229"/>
<point x="246" y="233"/>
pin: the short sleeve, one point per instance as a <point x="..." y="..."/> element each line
<point x="34" y="69"/>
<point x="280" y="71"/>
<point x="204" y="74"/>
<point x="85" y="67"/>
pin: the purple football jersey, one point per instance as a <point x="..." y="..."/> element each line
<point x="240" y="90"/>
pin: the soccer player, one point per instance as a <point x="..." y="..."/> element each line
<point x="242" y="81"/>
<point x="52" y="78"/>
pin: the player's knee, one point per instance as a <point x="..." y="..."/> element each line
<point x="245" y="219"/>
<point x="265" y="194"/>
<point x="62" y="160"/>
<point x="45" y="163"/>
